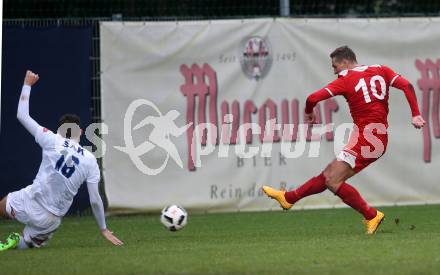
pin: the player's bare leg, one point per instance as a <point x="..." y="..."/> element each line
<point x="3" y="208"/>
<point x="336" y="174"/>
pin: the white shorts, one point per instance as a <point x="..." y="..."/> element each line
<point x="40" y="223"/>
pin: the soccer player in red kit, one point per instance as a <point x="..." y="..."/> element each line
<point x="366" y="90"/>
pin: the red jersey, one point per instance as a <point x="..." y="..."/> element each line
<point x="366" y="90"/>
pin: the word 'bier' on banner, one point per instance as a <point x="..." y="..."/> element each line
<point x="233" y="94"/>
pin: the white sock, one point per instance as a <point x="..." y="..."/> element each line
<point x="22" y="243"/>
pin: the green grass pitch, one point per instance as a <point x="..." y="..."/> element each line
<point x="328" y="241"/>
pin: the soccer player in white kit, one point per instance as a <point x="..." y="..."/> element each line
<point x="65" y="166"/>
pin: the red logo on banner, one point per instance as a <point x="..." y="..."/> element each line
<point x="429" y="83"/>
<point x="200" y="82"/>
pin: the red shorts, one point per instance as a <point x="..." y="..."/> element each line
<point x="365" y="146"/>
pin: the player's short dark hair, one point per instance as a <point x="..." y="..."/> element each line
<point x="343" y="52"/>
<point x="69" y="118"/>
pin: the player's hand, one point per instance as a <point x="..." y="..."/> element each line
<point x="30" y="78"/>
<point x="110" y="237"/>
<point x="418" y="122"/>
<point x="310" y="118"/>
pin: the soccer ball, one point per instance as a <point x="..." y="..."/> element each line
<point x="174" y="217"/>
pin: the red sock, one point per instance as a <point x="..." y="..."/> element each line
<point x="312" y="186"/>
<point x="351" y="197"/>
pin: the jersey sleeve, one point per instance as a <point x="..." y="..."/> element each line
<point x="314" y="98"/>
<point x="45" y="138"/>
<point x="94" y="175"/>
<point x="389" y="74"/>
<point x="402" y="84"/>
<point x="23" y="111"/>
<point x="97" y="205"/>
<point x="337" y="87"/>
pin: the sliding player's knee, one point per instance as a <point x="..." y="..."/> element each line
<point x="34" y="238"/>
<point x="37" y="242"/>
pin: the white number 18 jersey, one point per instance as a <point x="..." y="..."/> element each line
<point x="64" y="167"/>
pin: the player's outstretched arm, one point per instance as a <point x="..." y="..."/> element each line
<point x="311" y="102"/>
<point x="98" y="212"/>
<point x="23" y="104"/>
<point x="404" y="85"/>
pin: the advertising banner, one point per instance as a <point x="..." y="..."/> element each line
<point x="203" y="113"/>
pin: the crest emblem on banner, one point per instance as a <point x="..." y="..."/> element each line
<point x="255" y="57"/>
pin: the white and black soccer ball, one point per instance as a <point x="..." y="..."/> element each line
<point x="174" y="217"/>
